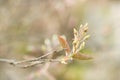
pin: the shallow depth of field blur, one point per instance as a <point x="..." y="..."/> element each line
<point x="28" y="29"/>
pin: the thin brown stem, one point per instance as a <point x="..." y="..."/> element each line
<point x="31" y="62"/>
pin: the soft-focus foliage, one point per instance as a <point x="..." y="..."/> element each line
<point x="27" y="27"/>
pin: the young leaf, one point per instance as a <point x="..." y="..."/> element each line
<point x="64" y="44"/>
<point x="81" y="56"/>
<point x="81" y="46"/>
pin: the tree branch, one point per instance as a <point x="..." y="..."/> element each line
<point x="32" y="62"/>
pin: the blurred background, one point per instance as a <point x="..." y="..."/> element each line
<point x="28" y="28"/>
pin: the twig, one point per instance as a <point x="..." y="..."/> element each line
<point x="42" y="61"/>
<point x="36" y="59"/>
<point x="31" y="62"/>
<point x="8" y="61"/>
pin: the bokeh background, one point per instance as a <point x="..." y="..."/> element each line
<point x="28" y="28"/>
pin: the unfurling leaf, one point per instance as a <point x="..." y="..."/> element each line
<point x="82" y="46"/>
<point x="86" y="37"/>
<point x="81" y="56"/>
<point x="85" y="29"/>
<point x="75" y="31"/>
<point x="64" y="44"/>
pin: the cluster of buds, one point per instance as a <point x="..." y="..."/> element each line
<point x="78" y="44"/>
